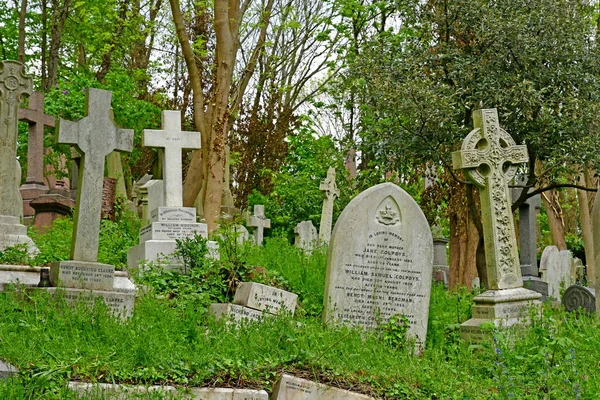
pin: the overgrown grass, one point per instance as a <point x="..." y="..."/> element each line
<point x="172" y="339"/>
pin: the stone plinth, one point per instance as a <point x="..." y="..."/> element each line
<point x="30" y="192"/>
<point x="119" y="303"/>
<point x="502" y="308"/>
<point x="49" y="207"/>
<point x="82" y="275"/>
<point x="235" y="312"/>
<point x="265" y="298"/>
<point x="292" y="388"/>
<point x="153" y="250"/>
<point x="172" y="230"/>
<point x="13" y="233"/>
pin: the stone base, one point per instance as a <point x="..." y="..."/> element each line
<point x="82" y="275"/>
<point x="235" y="312"/>
<point x="441" y="274"/>
<point x="119" y="303"/>
<point x="12" y="232"/>
<point x="502" y="308"/>
<point x="29" y="192"/>
<point x="154" y="250"/>
<point x="50" y="207"/>
<point x="537" y="285"/>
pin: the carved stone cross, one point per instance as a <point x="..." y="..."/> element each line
<point x="37" y="120"/>
<point x="94" y="136"/>
<point x="173" y="140"/>
<point x="330" y="192"/>
<point x="489" y="157"/>
<point x="13" y="85"/>
<point x="258" y="222"/>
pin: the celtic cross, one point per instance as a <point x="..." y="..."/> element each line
<point x="489" y="158"/>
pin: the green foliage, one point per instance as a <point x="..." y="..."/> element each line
<point x="17" y="254"/>
<point x="394" y="331"/>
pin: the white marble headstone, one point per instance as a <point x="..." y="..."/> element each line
<point x="380" y="262"/>
<point x="555" y="267"/>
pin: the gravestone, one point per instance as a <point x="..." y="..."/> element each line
<point x="290" y="387"/>
<point x="34" y="185"/>
<point x="258" y="222"/>
<point x="441" y="269"/>
<point x="306" y="236"/>
<point x="330" y="192"/>
<point x="14" y="85"/>
<point x="228" y="209"/>
<point x="579" y="297"/>
<point x="528" y="240"/>
<point x="556" y="267"/>
<point x="489" y="158"/>
<point x="169" y="221"/>
<point x="95" y="136"/>
<point x="380" y="262"/>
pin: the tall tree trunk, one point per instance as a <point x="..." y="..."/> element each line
<point x="59" y="17"/>
<point x="555" y="219"/>
<point x="586" y="230"/>
<point x="22" y="14"/>
<point x="44" y="41"/>
<point x="464" y="239"/>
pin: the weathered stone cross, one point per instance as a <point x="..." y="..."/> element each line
<point x="173" y="140"/>
<point x="37" y="120"/>
<point x="95" y="136"/>
<point x="258" y="222"/>
<point x="330" y="192"/>
<point x="13" y="85"/>
<point x="489" y="157"/>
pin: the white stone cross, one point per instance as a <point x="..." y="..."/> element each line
<point x="258" y="222"/>
<point x="489" y="157"/>
<point x="173" y="140"/>
<point x="330" y="192"/>
<point x="95" y="136"/>
<point x="13" y="85"/>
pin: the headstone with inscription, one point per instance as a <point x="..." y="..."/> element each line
<point x="489" y="158"/>
<point x="380" y="262"/>
<point x="258" y="222"/>
<point x="95" y="136"/>
<point x="169" y="221"/>
<point x="290" y="387"/>
<point x="330" y="192"/>
<point x="306" y="236"/>
<point x="14" y="85"/>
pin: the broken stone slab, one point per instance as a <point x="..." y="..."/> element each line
<point x="262" y="297"/>
<point x="293" y="388"/>
<point x="82" y="275"/>
<point x="7" y="370"/>
<point x="235" y="312"/>
<point x="124" y="392"/>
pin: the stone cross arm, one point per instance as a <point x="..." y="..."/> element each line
<point x="35" y="113"/>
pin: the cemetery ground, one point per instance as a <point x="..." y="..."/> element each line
<point x="172" y="339"/>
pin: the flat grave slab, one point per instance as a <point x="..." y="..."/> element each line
<point x="292" y="388"/>
<point x="263" y="297"/>
<point x="235" y="312"/>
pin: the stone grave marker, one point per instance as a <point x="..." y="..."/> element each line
<point x="441" y="269"/>
<point x="330" y="192"/>
<point x="306" y="236"/>
<point x="258" y="222"/>
<point x="34" y="185"/>
<point x="528" y="241"/>
<point x="228" y="209"/>
<point x="577" y="296"/>
<point x="489" y="158"/>
<point x="14" y="85"/>
<point x="169" y="221"/>
<point x="95" y="136"/>
<point x="556" y="269"/>
<point x="289" y="387"/>
<point x="380" y="262"/>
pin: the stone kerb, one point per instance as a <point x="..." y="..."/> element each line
<point x="293" y="388"/>
<point x="380" y="262"/>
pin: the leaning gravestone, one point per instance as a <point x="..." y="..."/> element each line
<point x="14" y="84"/>
<point x="330" y="192"/>
<point x="556" y="267"/>
<point x="579" y="297"/>
<point x="489" y="158"/>
<point x="172" y="221"/>
<point x="306" y="236"/>
<point x="380" y="262"/>
<point x="83" y="277"/>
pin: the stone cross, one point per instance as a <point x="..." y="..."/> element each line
<point x="330" y="192"/>
<point x="94" y="136"/>
<point x="173" y="140"/>
<point x="489" y="157"/>
<point x="258" y="222"/>
<point x="13" y="85"/>
<point x="37" y="120"/>
<point x="528" y="231"/>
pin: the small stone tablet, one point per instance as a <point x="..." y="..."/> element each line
<point x="262" y="297"/>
